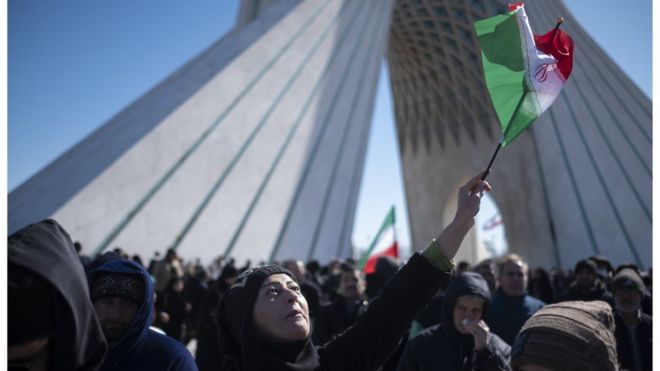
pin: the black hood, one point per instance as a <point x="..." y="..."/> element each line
<point x="46" y="250"/>
<point x="468" y="283"/>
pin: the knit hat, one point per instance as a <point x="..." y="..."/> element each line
<point x="237" y="305"/>
<point x="627" y="278"/>
<point x="127" y="286"/>
<point x="568" y="336"/>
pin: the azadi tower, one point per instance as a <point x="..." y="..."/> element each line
<point x="255" y="148"/>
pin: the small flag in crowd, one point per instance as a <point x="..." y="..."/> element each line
<point x="384" y="244"/>
<point x="494" y="221"/>
<point x="524" y="72"/>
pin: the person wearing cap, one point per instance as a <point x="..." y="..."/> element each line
<point x="647" y="299"/>
<point x="264" y="319"/>
<point x="567" y="336"/>
<point x="462" y="341"/>
<point x="51" y="324"/>
<point x="634" y="329"/>
<point x="123" y="297"/>
<point x="586" y="285"/>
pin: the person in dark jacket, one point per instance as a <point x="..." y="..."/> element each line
<point x="207" y="354"/>
<point x="462" y="342"/>
<point x="336" y="316"/>
<point x="123" y="295"/>
<point x="51" y="324"/>
<point x="511" y="305"/>
<point x="586" y="285"/>
<point x="195" y="290"/>
<point x="264" y="319"/>
<point x="173" y="302"/>
<point x="634" y="328"/>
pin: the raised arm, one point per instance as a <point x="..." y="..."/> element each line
<point x="371" y="340"/>
<point x="469" y="199"/>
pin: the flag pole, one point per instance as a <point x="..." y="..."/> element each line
<point x="492" y="159"/>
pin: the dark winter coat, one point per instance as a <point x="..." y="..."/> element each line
<point x="174" y="304"/>
<point x="46" y="249"/>
<point x="443" y="346"/>
<point x="625" y="344"/>
<point x="207" y="355"/>
<point x="335" y="317"/>
<point x="141" y="348"/>
<point x="507" y="314"/>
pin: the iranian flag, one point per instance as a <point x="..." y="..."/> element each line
<point x="524" y="72"/>
<point x="384" y="244"/>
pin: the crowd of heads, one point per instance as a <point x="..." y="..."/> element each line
<point x="115" y="301"/>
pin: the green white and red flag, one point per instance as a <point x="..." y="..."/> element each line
<point x="524" y="72"/>
<point x="384" y="244"/>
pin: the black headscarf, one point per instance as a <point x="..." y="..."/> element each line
<point x="243" y="347"/>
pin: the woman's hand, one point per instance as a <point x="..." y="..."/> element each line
<point x="469" y="199"/>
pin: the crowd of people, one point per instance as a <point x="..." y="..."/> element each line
<point x="67" y="311"/>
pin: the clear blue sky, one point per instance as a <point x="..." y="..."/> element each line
<point x="73" y="64"/>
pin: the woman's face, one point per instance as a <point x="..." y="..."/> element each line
<point x="281" y="311"/>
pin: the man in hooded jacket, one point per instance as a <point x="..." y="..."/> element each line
<point x="462" y="341"/>
<point x="133" y="345"/>
<point x="51" y="323"/>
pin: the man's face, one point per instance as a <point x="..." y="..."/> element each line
<point x="351" y="285"/>
<point x="281" y="311"/>
<point x="513" y="278"/>
<point x="627" y="300"/>
<point x="115" y="315"/>
<point x="468" y="308"/>
<point x="585" y="277"/>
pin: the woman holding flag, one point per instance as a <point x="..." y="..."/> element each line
<point x="264" y="319"/>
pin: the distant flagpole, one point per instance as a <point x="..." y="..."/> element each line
<point x="394" y="223"/>
<point x="387" y="222"/>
